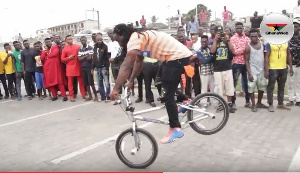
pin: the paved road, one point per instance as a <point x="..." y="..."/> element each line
<point x="55" y="136"/>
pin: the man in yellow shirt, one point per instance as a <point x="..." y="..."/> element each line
<point x="277" y="59"/>
<point x="8" y="61"/>
<point x="3" y="81"/>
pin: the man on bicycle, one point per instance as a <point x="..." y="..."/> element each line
<point x="163" y="47"/>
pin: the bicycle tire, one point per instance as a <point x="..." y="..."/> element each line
<point x="127" y="162"/>
<point x="222" y="124"/>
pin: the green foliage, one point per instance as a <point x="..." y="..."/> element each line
<point x="192" y="12"/>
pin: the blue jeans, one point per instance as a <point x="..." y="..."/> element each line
<point x="238" y="69"/>
<point x="103" y="75"/>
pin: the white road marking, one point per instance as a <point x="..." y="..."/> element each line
<point x="6" y="101"/>
<point x="95" y="145"/>
<point x="295" y="164"/>
<point x="41" y="115"/>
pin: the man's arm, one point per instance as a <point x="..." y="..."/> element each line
<point x="213" y="48"/>
<point x="289" y="62"/>
<point x="23" y="62"/>
<point x="231" y="48"/>
<point x="247" y="58"/>
<point x="82" y="57"/>
<point x="6" y="58"/>
<point x="126" y="67"/>
<point x="267" y="59"/>
<point x="137" y="68"/>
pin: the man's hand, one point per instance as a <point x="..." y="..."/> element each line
<point x="114" y="95"/>
<point x="9" y="54"/>
<point x="71" y="57"/>
<point x="105" y="72"/>
<point x="129" y="84"/>
<point x="291" y="72"/>
<point x="251" y="79"/>
<point x="111" y="60"/>
<point x="24" y="73"/>
<point x="267" y="74"/>
<point x="217" y="37"/>
<point x="92" y="71"/>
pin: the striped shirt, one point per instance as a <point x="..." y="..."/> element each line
<point x="158" y="45"/>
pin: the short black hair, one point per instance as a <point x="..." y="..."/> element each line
<point x="239" y="23"/>
<point x="125" y="31"/>
<point x="25" y="41"/>
<point x="36" y="43"/>
<point x="68" y="36"/>
<point x="6" y="44"/>
<point x="204" y="36"/>
<point x="253" y="30"/>
<point x="47" y="39"/>
<point x="82" y="37"/>
<point x="16" y="42"/>
<point x="99" y="33"/>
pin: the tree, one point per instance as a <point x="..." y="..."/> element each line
<point x="192" y="12"/>
<point x="154" y="19"/>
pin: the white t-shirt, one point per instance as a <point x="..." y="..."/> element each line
<point x="113" y="48"/>
<point x="296" y="11"/>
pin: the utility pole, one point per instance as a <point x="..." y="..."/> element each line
<point x="98" y="17"/>
<point x="169" y="20"/>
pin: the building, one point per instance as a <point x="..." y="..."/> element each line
<point x="73" y="28"/>
<point x="43" y="33"/>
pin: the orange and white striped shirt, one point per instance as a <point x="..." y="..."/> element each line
<point x="158" y="45"/>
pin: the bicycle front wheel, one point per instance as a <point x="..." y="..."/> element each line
<point x="136" y="157"/>
<point x="214" y="105"/>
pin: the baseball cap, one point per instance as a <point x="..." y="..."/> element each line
<point x="296" y="20"/>
<point x="219" y="29"/>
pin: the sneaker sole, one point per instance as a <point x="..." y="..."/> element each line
<point x="172" y="140"/>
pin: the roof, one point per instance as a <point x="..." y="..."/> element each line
<point x="70" y="23"/>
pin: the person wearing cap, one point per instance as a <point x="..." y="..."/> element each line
<point x="278" y="58"/>
<point x="222" y="63"/>
<point x="294" y="81"/>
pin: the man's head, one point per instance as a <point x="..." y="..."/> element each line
<point x="204" y="41"/>
<point x="94" y="37"/>
<point x="180" y="29"/>
<point x="122" y="33"/>
<point x="37" y="46"/>
<point x="225" y="8"/>
<point x="255" y="14"/>
<point x="254" y="36"/>
<point x="26" y="44"/>
<point x="212" y="30"/>
<point x="48" y="43"/>
<point x="181" y="37"/>
<point x="246" y="31"/>
<point x="194" y="38"/>
<point x="17" y="45"/>
<point x="142" y="16"/>
<point x="228" y="31"/>
<point x="52" y="38"/>
<point x="57" y="39"/>
<point x="110" y="34"/>
<point x="200" y="31"/>
<point x="192" y="18"/>
<point x="69" y="39"/>
<point x="99" y="39"/>
<point x="296" y="27"/>
<point x="283" y="11"/>
<point x="7" y="47"/>
<point x="239" y="28"/>
<point x="83" y="41"/>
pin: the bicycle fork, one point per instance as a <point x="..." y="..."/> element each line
<point x="137" y="142"/>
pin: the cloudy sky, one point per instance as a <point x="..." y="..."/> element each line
<point x="26" y="16"/>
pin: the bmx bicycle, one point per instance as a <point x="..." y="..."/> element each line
<point x="196" y="110"/>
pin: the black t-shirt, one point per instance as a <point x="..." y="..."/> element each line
<point x="255" y="22"/>
<point x="27" y="57"/>
<point x="120" y="56"/>
<point x="221" y="61"/>
<point x="38" y="63"/>
<point x="294" y="47"/>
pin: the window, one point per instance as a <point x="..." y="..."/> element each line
<point x="82" y="25"/>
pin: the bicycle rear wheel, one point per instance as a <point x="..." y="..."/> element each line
<point x="206" y="101"/>
<point x="133" y="152"/>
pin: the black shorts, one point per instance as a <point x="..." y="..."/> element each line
<point x="87" y="76"/>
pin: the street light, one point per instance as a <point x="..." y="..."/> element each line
<point x="93" y="16"/>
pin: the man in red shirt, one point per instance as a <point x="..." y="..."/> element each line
<point x="70" y="57"/>
<point x="203" y="18"/>
<point x="53" y="74"/>
<point x="143" y="21"/>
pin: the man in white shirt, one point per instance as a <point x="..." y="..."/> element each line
<point x="113" y="50"/>
<point x="296" y="10"/>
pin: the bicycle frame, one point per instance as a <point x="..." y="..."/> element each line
<point x="134" y="116"/>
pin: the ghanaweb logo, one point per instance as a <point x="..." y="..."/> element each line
<point x="276" y="28"/>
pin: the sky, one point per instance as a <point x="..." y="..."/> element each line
<point x="26" y="17"/>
